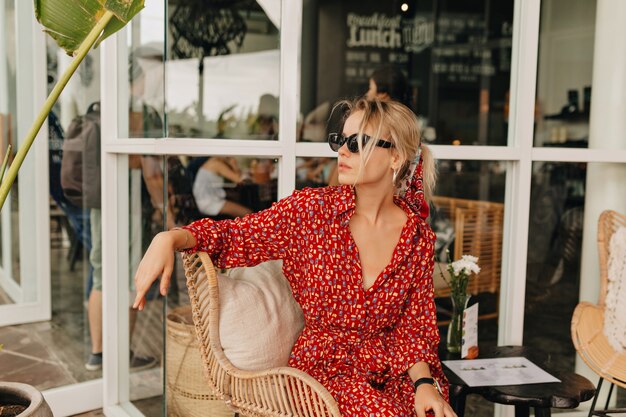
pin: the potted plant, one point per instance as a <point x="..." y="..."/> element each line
<point x="22" y="400"/>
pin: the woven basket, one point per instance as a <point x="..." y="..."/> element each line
<point x="188" y="395"/>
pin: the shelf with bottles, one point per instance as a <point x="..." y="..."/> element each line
<point x="570" y="127"/>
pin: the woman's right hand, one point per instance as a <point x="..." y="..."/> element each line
<point x="157" y="261"/>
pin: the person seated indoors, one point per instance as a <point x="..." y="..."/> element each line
<point x="266" y="124"/>
<point x="208" y="187"/>
<point x="359" y="258"/>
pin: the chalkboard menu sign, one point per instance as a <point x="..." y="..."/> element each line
<point x="373" y="39"/>
<point x="357" y="37"/>
<point x="461" y="54"/>
<point x="450" y="49"/>
<point x="354" y="39"/>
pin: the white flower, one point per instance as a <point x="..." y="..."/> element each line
<point x="467" y="264"/>
<point x="469" y="258"/>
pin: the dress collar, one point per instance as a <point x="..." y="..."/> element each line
<point x="346" y="199"/>
<point x="346" y="202"/>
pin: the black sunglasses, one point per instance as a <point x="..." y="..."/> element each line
<point x="336" y="141"/>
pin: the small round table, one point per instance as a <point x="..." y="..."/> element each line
<point x="571" y="391"/>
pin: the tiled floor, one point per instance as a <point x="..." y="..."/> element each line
<point x="25" y="358"/>
<point x="58" y="349"/>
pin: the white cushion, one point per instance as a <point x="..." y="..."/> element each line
<point x="259" y="318"/>
<point x="615" y="313"/>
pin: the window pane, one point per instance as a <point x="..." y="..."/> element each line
<point x="476" y="180"/>
<point x="57" y="352"/>
<point x="76" y="245"/>
<point x="554" y="252"/>
<point x="448" y="61"/>
<point x="146" y="67"/>
<point x="146" y="190"/>
<point x="467" y="215"/>
<point x="197" y="187"/>
<point x="564" y="73"/>
<point x="563" y="266"/>
<point x="223" y="69"/>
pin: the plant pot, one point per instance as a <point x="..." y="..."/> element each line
<point x="22" y="399"/>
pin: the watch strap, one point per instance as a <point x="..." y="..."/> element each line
<point x="429" y="381"/>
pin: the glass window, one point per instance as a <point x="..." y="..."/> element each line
<point x="554" y="257"/>
<point x="57" y="352"/>
<point x="555" y="236"/>
<point x="467" y="214"/>
<point x="564" y="73"/>
<point x="146" y="74"/>
<point x="219" y="187"/>
<point x="566" y="201"/>
<point x="146" y="219"/>
<point x="223" y="69"/>
<point x="449" y="61"/>
<point x="76" y="245"/>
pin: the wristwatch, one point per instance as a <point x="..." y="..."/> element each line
<point x="429" y="381"/>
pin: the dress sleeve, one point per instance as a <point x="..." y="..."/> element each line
<point x="415" y="338"/>
<point x="252" y="239"/>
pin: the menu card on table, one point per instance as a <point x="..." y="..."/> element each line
<point x="499" y="371"/>
<point x="469" y="342"/>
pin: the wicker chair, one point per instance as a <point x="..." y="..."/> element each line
<point x="588" y="322"/>
<point x="279" y="392"/>
<point x="478" y="232"/>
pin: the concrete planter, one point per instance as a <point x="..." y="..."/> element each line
<point x="13" y="393"/>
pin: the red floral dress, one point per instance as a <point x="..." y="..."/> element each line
<point x="358" y="343"/>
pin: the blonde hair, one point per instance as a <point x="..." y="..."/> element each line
<point x="400" y="123"/>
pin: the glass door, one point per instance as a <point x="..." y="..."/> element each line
<point x="24" y="234"/>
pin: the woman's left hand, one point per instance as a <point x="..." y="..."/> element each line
<point x="427" y="398"/>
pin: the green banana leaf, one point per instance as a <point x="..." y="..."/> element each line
<point x="76" y="26"/>
<point x="70" y="21"/>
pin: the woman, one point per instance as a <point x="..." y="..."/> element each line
<point x="208" y="187"/>
<point x="359" y="259"/>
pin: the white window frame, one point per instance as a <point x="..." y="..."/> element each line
<point x="519" y="155"/>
